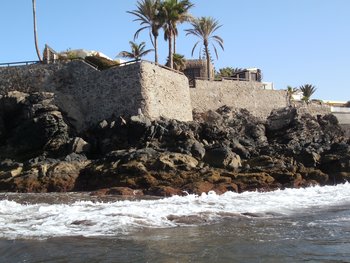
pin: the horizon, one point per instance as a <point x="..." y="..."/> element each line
<point x="293" y="43"/>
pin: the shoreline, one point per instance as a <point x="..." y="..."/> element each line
<point x="223" y="150"/>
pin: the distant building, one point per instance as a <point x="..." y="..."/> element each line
<point x="197" y="68"/>
<point x="249" y="74"/>
<point x="333" y="103"/>
<point x="49" y="55"/>
<point x="297" y="95"/>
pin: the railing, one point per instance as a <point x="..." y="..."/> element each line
<point x="19" y="63"/>
<point x="129" y="62"/>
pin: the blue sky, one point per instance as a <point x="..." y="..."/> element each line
<point x="294" y="42"/>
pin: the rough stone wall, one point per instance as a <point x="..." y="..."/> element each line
<point x="210" y="95"/>
<point x="88" y="96"/>
<point x="29" y="78"/>
<point x="166" y="92"/>
<point x="85" y="94"/>
<point x="312" y="108"/>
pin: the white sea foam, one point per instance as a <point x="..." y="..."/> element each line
<point x="85" y="218"/>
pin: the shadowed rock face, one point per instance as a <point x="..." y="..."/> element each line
<point x="31" y="124"/>
<point x="222" y="150"/>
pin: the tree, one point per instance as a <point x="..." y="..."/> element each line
<point x="227" y="72"/>
<point x="137" y="51"/>
<point x="35" y="31"/>
<point x="290" y="92"/>
<point x="173" y="12"/>
<point x="147" y="13"/>
<point x="204" y="28"/>
<point x="307" y="91"/>
<point x="179" y="62"/>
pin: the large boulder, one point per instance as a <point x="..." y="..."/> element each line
<point x="31" y="124"/>
<point x="222" y="157"/>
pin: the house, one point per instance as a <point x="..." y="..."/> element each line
<point x="249" y="74"/>
<point x="197" y="68"/>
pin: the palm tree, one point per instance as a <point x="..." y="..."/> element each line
<point x="227" y="72"/>
<point x="290" y="92"/>
<point x="307" y="90"/>
<point x="179" y="62"/>
<point x="204" y="29"/>
<point x="173" y="12"/>
<point x="137" y="51"/>
<point x="147" y="13"/>
<point x="35" y="31"/>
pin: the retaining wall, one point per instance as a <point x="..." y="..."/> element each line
<point x="210" y="95"/>
<point x="88" y="96"/>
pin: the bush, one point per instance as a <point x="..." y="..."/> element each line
<point x="101" y="63"/>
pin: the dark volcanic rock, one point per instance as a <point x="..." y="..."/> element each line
<point x="222" y="157"/>
<point x="223" y="150"/>
<point x="31" y="125"/>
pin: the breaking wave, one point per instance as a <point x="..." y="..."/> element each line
<point x="115" y="218"/>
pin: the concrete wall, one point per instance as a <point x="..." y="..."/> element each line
<point x="88" y="96"/>
<point x="210" y="95"/>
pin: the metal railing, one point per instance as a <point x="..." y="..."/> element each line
<point x="19" y="63"/>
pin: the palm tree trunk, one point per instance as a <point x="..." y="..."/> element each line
<point x="171" y="60"/>
<point x="35" y="31"/>
<point x="174" y="45"/>
<point x="208" y="60"/>
<point x="156" y="50"/>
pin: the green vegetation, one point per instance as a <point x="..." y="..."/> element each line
<point x="100" y="62"/>
<point x="147" y="13"/>
<point x="227" y="72"/>
<point x="290" y="92"/>
<point x="179" y="62"/>
<point x="156" y="14"/>
<point x="308" y="90"/>
<point x="137" y="51"/>
<point x="167" y="14"/>
<point x="204" y="28"/>
<point x="173" y="12"/>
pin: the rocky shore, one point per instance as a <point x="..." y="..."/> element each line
<point x="222" y="150"/>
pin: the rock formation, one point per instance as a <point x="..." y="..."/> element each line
<point x="222" y="150"/>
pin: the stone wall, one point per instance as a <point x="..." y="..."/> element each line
<point x="313" y="108"/>
<point x="167" y="93"/>
<point x="88" y="96"/>
<point x="210" y="95"/>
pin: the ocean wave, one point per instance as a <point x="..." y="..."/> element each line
<point x="91" y="219"/>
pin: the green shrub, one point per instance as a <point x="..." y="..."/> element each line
<point x="100" y="62"/>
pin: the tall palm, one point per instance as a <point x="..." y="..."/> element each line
<point x="204" y="28"/>
<point x="308" y="90"/>
<point x="173" y="12"/>
<point x="35" y="31"/>
<point x="137" y="51"/>
<point x="147" y="13"/>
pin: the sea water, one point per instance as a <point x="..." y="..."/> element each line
<point x="292" y="225"/>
